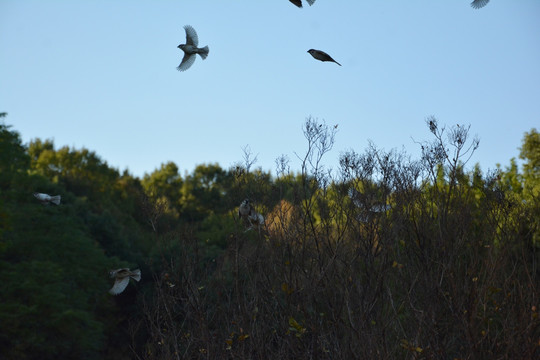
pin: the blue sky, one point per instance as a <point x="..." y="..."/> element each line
<point x="101" y="75"/>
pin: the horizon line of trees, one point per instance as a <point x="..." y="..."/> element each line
<point x="385" y="257"/>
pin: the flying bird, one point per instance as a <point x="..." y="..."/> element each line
<point x="121" y="277"/>
<point x="190" y="49"/>
<point x="477" y="4"/>
<point x="247" y="212"/>
<point x="299" y="2"/>
<point x="46" y="199"/>
<point x="321" y="55"/>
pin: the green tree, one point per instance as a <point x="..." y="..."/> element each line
<point x="82" y="172"/>
<point x="163" y="188"/>
<point x="53" y="297"/>
<point x="13" y="157"/>
<point x="530" y="153"/>
<point x="54" y="260"/>
<point x="203" y="192"/>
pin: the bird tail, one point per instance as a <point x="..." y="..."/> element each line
<point x="56" y="199"/>
<point x="136" y="275"/>
<point x="203" y="52"/>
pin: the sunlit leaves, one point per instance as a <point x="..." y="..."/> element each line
<point x="295" y="327"/>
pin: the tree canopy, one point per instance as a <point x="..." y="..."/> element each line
<point x="386" y="257"/>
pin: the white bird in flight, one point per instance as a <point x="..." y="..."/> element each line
<point x="190" y="49"/>
<point x="121" y="277"/>
<point x="46" y="198"/>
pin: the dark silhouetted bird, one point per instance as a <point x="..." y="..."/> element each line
<point x="46" y="199"/>
<point x="190" y="49"/>
<point x="477" y="4"/>
<point x="299" y="2"/>
<point x="321" y="55"/>
<point x="121" y="277"/>
<point x="432" y="126"/>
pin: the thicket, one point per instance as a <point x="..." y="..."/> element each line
<point x="384" y="257"/>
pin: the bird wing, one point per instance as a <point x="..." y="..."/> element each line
<point x="136" y="275"/>
<point x="321" y="55"/>
<point x="310" y="2"/>
<point x="297" y="2"/>
<point x="477" y="4"/>
<point x="191" y="36"/>
<point x="325" y="54"/>
<point x="119" y="286"/>
<point x="186" y="63"/>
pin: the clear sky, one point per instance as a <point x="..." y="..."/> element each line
<point x="101" y="75"/>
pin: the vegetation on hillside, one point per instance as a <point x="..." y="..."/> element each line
<point x="384" y="257"/>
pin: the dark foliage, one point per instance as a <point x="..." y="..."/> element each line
<point x="385" y="257"/>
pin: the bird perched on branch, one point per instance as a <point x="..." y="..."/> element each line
<point x="121" y="277"/>
<point x="477" y="4"/>
<point x="321" y="55"/>
<point x="249" y="214"/>
<point x="190" y="49"/>
<point x="46" y="199"/>
<point x="299" y="2"/>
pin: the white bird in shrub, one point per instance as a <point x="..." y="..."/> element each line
<point x="249" y="214"/>
<point x="46" y="198"/>
<point x="190" y="49"/>
<point x="122" y="277"/>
